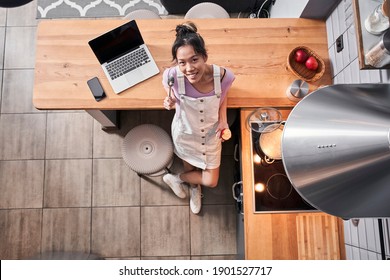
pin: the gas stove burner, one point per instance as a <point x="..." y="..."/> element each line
<point x="279" y="186"/>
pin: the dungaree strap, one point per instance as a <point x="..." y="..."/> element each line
<point x="217" y="81"/>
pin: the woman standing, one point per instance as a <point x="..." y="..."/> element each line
<point x="198" y="91"/>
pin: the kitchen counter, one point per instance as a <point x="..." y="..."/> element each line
<point x="285" y="236"/>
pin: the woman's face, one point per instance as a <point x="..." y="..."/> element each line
<point x="191" y="64"/>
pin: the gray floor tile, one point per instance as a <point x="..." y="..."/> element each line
<point x="3" y="17"/>
<point x="213" y="231"/>
<point x="161" y="118"/>
<point x="21" y="184"/>
<point x="116" y="232"/>
<point x="2" y="46"/>
<point x="129" y="258"/>
<point x="66" y="230"/>
<point x="1" y="86"/>
<point x="69" y="135"/>
<point x="165" y="231"/>
<point x="215" y="257"/>
<point x="18" y="91"/>
<point x="22" y="136"/>
<point x="25" y="15"/>
<point x="108" y="144"/>
<point x="20" y="47"/>
<point x="61" y="255"/>
<point x="115" y="184"/>
<point x="68" y="183"/>
<point x="222" y="194"/>
<point x="20" y="233"/>
<point x="173" y="258"/>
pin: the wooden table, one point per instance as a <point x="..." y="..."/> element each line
<point x="255" y="50"/>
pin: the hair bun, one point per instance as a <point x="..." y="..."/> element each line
<point x="185" y="28"/>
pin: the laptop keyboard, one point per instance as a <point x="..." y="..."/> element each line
<point x="127" y="63"/>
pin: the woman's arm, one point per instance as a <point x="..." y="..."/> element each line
<point x="227" y="79"/>
<point x="222" y="120"/>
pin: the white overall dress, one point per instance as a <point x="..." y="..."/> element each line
<point x="194" y="128"/>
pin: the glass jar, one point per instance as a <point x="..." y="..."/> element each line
<point x="379" y="55"/>
<point x="377" y="21"/>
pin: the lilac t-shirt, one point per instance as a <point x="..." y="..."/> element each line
<point x="226" y="83"/>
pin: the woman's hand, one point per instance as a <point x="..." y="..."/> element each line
<point x="220" y="130"/>
<point x="169" y="103"/>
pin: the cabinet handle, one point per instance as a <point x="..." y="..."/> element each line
<point x="235" y="155"/>
<point x="238" y="199"/>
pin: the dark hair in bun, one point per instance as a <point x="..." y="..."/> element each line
<point x="186" y="34"/>
<point x="185" y="28"/>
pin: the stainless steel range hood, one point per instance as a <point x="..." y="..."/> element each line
<point x="336" y="150"/>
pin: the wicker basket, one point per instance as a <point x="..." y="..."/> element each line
<point x="300" y="70"/>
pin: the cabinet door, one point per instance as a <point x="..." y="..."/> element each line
<point x="318" y="237"/>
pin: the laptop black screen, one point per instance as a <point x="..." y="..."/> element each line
<point x="116" y="42"/>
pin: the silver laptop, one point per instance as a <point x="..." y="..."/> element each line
<point x="124" y="57"/>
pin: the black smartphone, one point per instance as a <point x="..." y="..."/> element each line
<point x="96" y="88"/>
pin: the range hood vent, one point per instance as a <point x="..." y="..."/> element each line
<point x="336" y="150"/>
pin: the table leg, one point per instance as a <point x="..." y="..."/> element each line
<point x="109" y="119"/>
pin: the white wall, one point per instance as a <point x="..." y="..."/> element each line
<point x="362" y="241"/>
<point x="288" y="8"/>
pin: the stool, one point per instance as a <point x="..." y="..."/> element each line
<point x="148" y="150"/>
<point x="207" y="10"/>
<point x="142" y="14"/>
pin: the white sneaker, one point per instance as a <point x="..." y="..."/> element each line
<point x="174" y="182"/>
<point x="195" y="199"/>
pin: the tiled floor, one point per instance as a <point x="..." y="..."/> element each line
<point x="65" y="188"/>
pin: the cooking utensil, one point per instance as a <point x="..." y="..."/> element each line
<point x="171" y="81"/>
<point x="261" y="118"/>
<point x="270" y="143"/>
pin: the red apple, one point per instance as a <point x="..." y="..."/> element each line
<point x="311" y="63"/>
<point x="300" y="56"/>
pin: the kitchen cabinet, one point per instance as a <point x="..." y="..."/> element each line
<point x="294" y="236"/>
<point x="285" y="236"/>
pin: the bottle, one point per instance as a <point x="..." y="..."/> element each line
<point x="379" y="55"/>
<point x="378" y="21"/>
